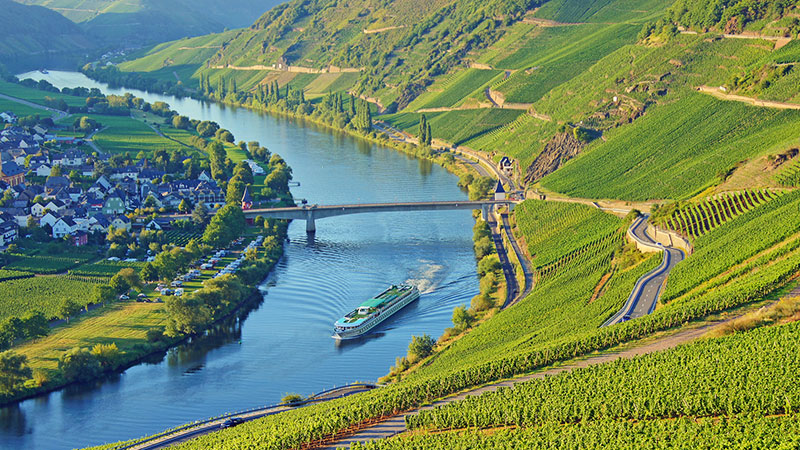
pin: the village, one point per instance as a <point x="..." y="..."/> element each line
<point x="72" y="195"/>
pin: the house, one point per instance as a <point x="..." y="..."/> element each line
<point x="54" y="184"/>
<point x="99" y="223"/>
<point x="506" y="166"/>
<point x="247" y="200"/>
<point x="125" y="172"/>
<point x="11" y="173"/>
<point x="40" y="130"/>
<point x="8" y="117"/>
<point x="255" y="168"/>
<point x="73" y="158"/>
<point x="114" y="204"/>
<point x="9" y="231"/>
<point x="42" y="170"/>
<point x="80" y="238"/>
<point x="499" y="191"/>
<point x="64" y="227"/>
<point x="121" y="221"/>
<point x="49" y="218"/>
<point x="204" y="176"/>
<point x="74" y="193"/>
<point x="38" y="209"/>
<point x="55" y="205"/>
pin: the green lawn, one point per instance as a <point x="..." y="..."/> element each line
<point x="20" y="109"/>
<point x="37" y="96"/>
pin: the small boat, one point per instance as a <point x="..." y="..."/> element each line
<point x="44" y="71"/>
<point x="374" y="311"/>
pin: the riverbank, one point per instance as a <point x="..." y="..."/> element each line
<point x="136" y="349"/>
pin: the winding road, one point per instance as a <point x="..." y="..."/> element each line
<point x="647" y="290"/>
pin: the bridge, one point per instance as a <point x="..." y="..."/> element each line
<point x="310" y="213"/>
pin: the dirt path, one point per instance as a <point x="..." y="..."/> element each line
<point x="381" y="30"/>
<point x="396" y="424"/>
<point x="749" y="100"/>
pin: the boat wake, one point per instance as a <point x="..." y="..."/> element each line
<point x="428" y="277"/>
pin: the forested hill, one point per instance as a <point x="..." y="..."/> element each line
<point x="34" y="37"/>
<point x="137" y="22"/>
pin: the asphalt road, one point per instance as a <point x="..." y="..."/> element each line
<point x="214" y="425"/>
<point x="644" y="297"/>
<point x="526" y="265"/>
<point x="512" y="287"/>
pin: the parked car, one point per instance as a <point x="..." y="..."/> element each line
<point x="124" y="297"/>
<point x="177" y="283"/>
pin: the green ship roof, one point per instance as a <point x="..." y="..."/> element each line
<point x="373" y="302"/>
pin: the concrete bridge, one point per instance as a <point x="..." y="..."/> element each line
<point x="310" y="213"/>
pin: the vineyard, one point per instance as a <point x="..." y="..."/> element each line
<point x="735" y="375"/>
<point x="180" y="238"/>
<point x="582" y="254"/>
<point x="735" y="242"/>
<point x="680" y="434"/>
<point x="44" y="264"/>
<point x="45" y="294"/>
<point x="697" y="219"/>
<point x="6" y="275"/>
<point x="104" y="268"/>
<point x="553" y="230"/>
<point x="789" y="176"/>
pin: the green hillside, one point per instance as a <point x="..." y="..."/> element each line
<point x="36" y="37"/>
<point x="140" y="22"/>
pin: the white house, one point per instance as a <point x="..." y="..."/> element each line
<point x="48" y="219"/>
<point x="204" y="176"/>
<point x="43" y="170"/>
<point x="55" y="205"/>
<point x="121" y="221"/>
<point x="38" y="210"/>
<point x="73" y="157"/>
<point x="64" y="227"/>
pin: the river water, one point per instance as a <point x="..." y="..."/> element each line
<point x="284" y="345"/>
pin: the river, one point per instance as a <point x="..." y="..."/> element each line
<point x="284" y="345"/>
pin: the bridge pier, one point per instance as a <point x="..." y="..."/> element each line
<point x="485" y="212"/>
<point x="311" y="225"/>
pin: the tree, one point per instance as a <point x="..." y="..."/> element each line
<point x="180" y="122"/>
<point x="225" y="226"/>
<point x="244" y="172"/>
<point x="131" y="278"/>
<point x="150" y="202"/>
<point x="235" y="191"/>
<point x="108" y="355"/>
<point x="79" y="364"/>
<point x="184" y="206"/>
<point x="461" y="318"/>
<point x="149" y="273"/>
<point x="14" y="371"/>
<point x="55" y="171"/>
<point x="68" y="308"/>
<point x="420" y="347"/>
<point x="104" y="293"/>
<point x="200" y="214"/>
<point x="185" y="316"/>
<point x="34" y="325"/>
<point x="423" y="130"/>
<point x="488" y="264"/>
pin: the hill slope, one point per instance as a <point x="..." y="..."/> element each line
<point x="37" y="37"/>
<point x="140" y="22"/>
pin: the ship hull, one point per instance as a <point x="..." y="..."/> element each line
<point x="367" y="326"/>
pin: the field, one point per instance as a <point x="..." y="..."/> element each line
<point x="571" y="11"/>
<point x="675" y="150"/>
<point x="180" y="238"/>
<point x="19" y="109"/>
<point x="44" y="294"/>
<point x="37" y="96"/>
<point x="122" y="134"/>
<point x="123" y="324"/>
<point x="558" y="54"/>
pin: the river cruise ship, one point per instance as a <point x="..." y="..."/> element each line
<point x="374" y="311"/>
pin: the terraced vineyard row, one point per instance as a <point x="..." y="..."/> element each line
<point x="582" y="254"/>
<point x="44" y="264"/>
<point x="789" y="176"/>
<point x="680" y="434"/>
<point x="697" y="219"/>
<point x="739" y="374"/>
<point x="44" y="294"/>
<point x="734" y="242"/>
